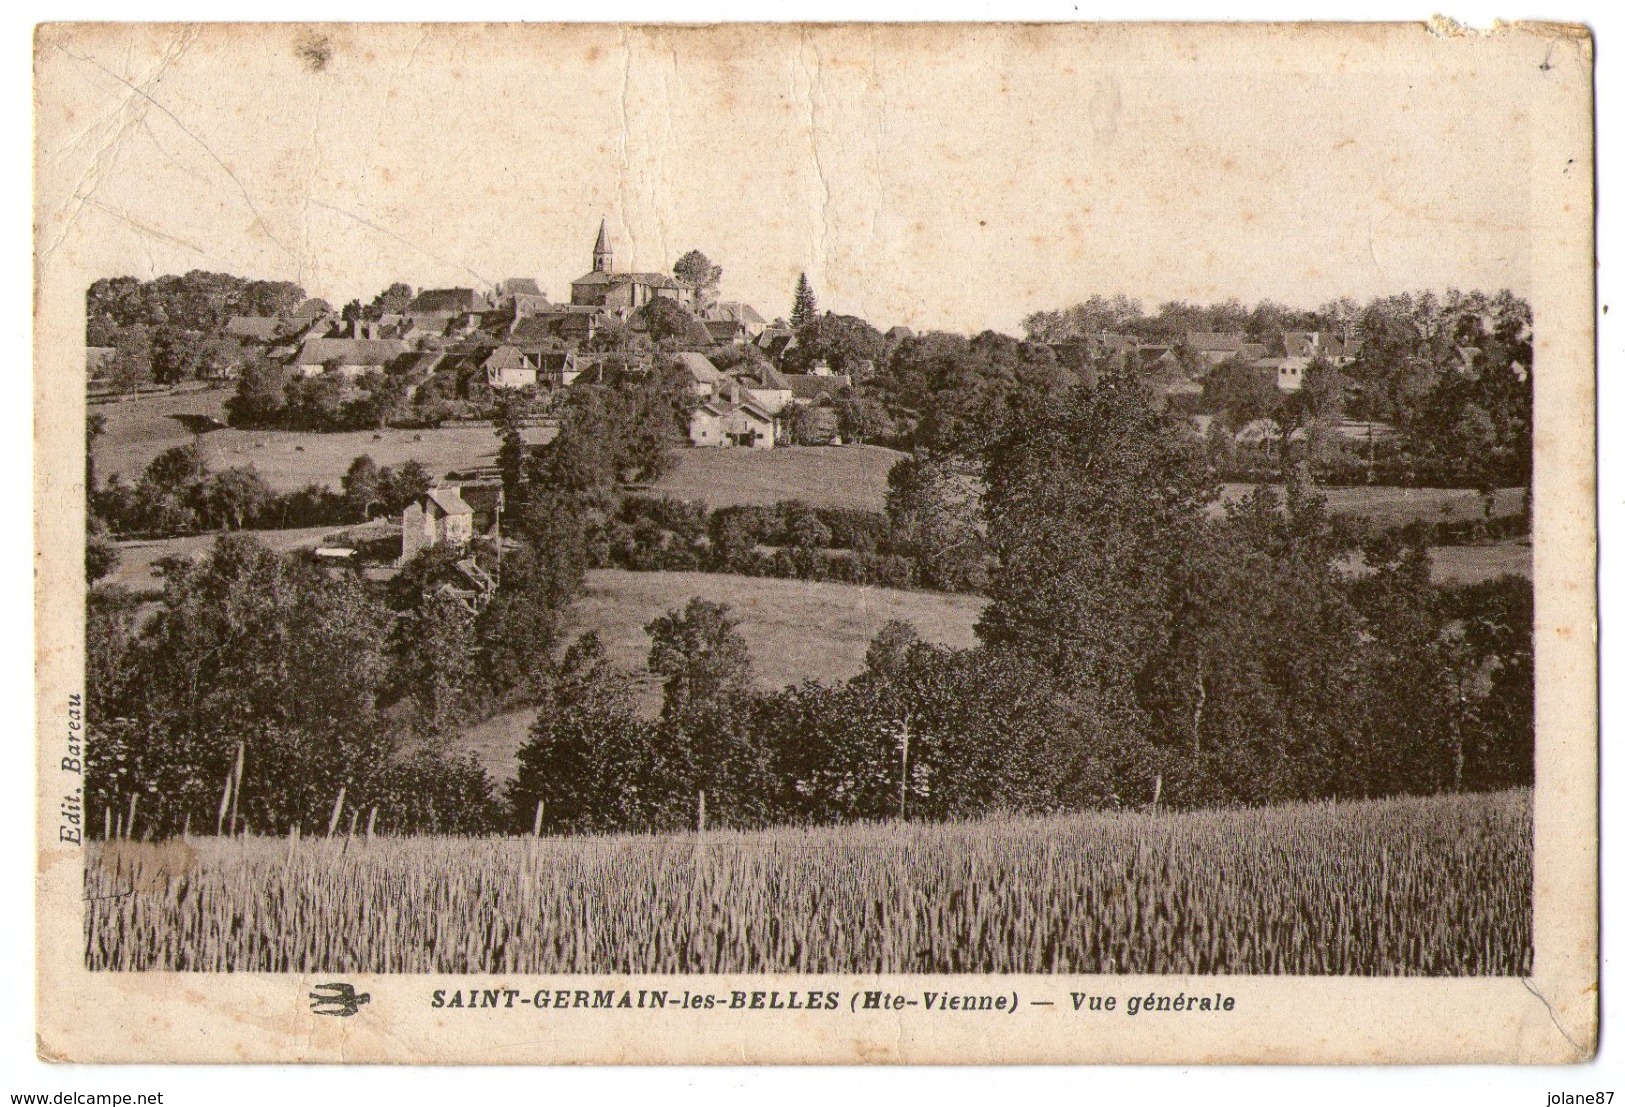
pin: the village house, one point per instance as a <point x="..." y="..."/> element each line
<point x="254" y="328"/>
<point x="1312" y="344"/>
<point x="439" y="517"/>
<point x="705" y="379"/>
<point x="350" y="356"/>
<point x="765" y="385"/>
<point x="623" y="293"/>
<point x="572" y="323"/>
<point x="775" y="342"/>
<point x="1288" y="371"/>
<point x="745" y="320"/>
<point x="1213" y="347"/>
<point x="816" y="388"/>
<point x="732" y="418"/>
<point x="507" y="367"/>
<point x="557" y="369"/>
<point x="433" y="310"/>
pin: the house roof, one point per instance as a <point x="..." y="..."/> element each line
<point x="808" y="387"/>
<point x="897" y="334"/>
<point x="700" y="368"/>
<point x="449" y="500"/>
<point x="733" y="311"/>
<point x="417" y="364"/>
<point x="721" y="407"/>
<point x="260" y="327"/>
<point x="350" y="351"/>
<point x="1254" y="350"/>
<point x="767" y="376"/>
<point x="1215" y="342"/>
<point x="776" y="340"/>
<point x="723" y="330"/>
<point x="507" y="357"/>
<point x="434" y="301"/>
<point x="519" y="286"/>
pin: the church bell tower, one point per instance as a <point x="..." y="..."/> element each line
<point x="603" y="259"/>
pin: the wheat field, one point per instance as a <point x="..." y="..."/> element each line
<point x="1429" y="886"/>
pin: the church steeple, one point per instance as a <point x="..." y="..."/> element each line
<point x="603" y="258"/>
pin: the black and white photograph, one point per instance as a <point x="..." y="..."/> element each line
<point x="1036" y="526"/>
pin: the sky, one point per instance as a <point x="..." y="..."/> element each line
<point x="933" y="177"/>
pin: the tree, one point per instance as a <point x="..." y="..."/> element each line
<point x="101" y="555"/>
<point x="700" y="654"/>
<point x="261" y="393"/>
<point x="363" y="489"/>
<point x="695" y="269"/>
<point x="402" y="484"/>
<point x="1091" y="502"/>
<point x="935" y="514"/>
<point x="391" y="301"/>
<point x="844" y="341"/>
<point x="234" y="497"/>
<point x="1240" y="393"/>
<point x="437" y="659"/>
<point x="131" y="363"/>
<point x="590" y="761"/>
<point x="860" y="418"/>
<point x="804" y="310"/>
<point x="666" y="320"/>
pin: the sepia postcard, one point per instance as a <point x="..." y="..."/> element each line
<point x="920" y="543"/>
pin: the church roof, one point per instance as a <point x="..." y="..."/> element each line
<point x="602" y="245"/>
<point x="655" y="280"/>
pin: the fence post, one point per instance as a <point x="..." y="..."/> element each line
<point x="702" y="811"/>
<point x="338" y="809"/>
<point x="536" y="830"/>
<point x="902" y="782"/>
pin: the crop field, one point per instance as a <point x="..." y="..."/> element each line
<point x="823" y="476"/>
<point x="797" y="630"/>
<point x="1417" y="886"/>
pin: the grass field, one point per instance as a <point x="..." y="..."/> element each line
<point x="139" y="430"/>
<point x="1420" y="886"/>
<point x="797" y="630"/>
<point x="137" y="558"/>
<point x="824" y="476"/>
<point x="1395" y="506"/>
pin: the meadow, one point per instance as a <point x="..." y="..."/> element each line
<point x="138" y="430"/>
<point x="797" y="630"/>
<point x="1436" y="885"/>
<point x="823" y="476"/>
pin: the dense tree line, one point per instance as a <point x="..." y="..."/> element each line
<point x="172" y="328"/>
